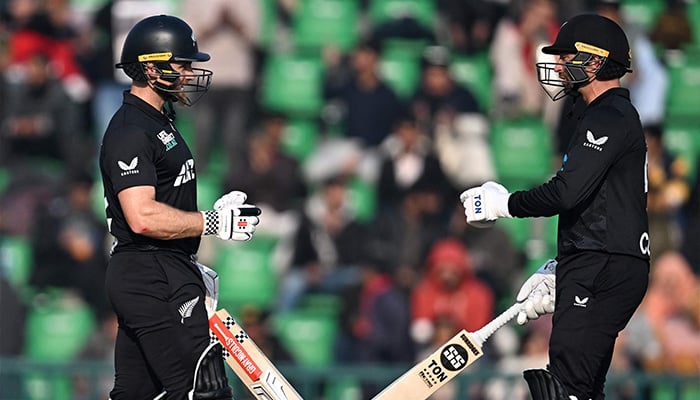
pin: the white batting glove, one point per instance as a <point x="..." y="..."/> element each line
<point x="231" y="199"/>
<point x="485" y="204"/>
<point x="232" y="223"/>
<point x="211" y="283"/>
<point x="537" y="294"/>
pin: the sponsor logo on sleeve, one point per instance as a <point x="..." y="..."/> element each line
<point x="130" y="168"/>
<point x="593" y="142"/>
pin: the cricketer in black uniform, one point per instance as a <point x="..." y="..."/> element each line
<point x="153" y="282"/>
<point x="600" y="196"/>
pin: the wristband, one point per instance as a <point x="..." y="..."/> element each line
<point x="211" y="222"/>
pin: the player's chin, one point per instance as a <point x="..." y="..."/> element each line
<point x="483" y="224"/>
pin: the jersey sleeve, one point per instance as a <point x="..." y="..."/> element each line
<point x="129" y="159"/>
<point x="597" y="143"/>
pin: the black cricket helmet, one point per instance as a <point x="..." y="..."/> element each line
<point x="157" y="41"/>
<point x="593" y="39"/>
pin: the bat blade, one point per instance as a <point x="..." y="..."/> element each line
<point x="436" y="370"/>
<point x="445" y="363"/>
<point x="249" y="363"/>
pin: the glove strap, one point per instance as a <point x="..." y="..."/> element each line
<point x="211" y="222"/>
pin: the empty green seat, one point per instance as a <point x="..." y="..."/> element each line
<point x="208" y="190"/>
<point x="247" y="273"/>
<point x="319" y="23"/>
<point x="300" y="138"/>
<point x="682" y="138"/>
<point x="383" y="10"/>
<point x="683" y="99"/>
<point x="293" y="84"/>
<point x="401" y="73"/>
<point x="363" y="198"/>
<point x="16" y="259"/>
<point x="308" y="336"/>
<point x="642" y="12"/>
<point x="522" y="151"/>
<point x="59" y="329"/>
<point x="475" y="73"/>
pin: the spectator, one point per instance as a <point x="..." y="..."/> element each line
<point x="495" y="258"/>
<point x="514" y="52"/>
<point x="41" y="121"/>
<point x="463" y="148"/>
<point x="375" y="321"/>
<point x="269" y="176"/>
<point x="450" y="290"/>
<point x="648" y="82"/>
<point x="673" y="29"/>
<point x="438" y="93"/>
<point x="326" y="246"/>
<point x="230" y="31"/>
<point x="664" y="334"/>
<point x="407" y="156"/>
<point x="69" y="246"/>
<point x="668" y="192"/>
<point x="691" y="228"/>
<point x="406" y="232"/>
<point x="469" y="25"/>
<point x="370" y="105"/>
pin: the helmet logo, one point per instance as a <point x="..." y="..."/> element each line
<point x="589" y="48"/>
<point x="156" y="57"/>
<point x="194" y="40"/>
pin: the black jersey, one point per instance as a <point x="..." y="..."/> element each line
<point x="600" y="190"/>
<point x="142" y="147"/>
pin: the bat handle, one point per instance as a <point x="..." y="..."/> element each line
<point x="484" y="333"/>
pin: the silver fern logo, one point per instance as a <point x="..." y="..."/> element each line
<point x="186" y="309"/>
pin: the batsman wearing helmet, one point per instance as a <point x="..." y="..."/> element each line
<point x="600" y="274"/>
<point x="159" y="292"/>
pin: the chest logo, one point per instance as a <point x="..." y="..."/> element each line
<point x="186" y="173"/>
<point x="168" y="139"/>
<point x="593" y="142"/>
<point x="130" y="168"/>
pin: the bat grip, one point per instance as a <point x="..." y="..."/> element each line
<point x="484" y="333"/>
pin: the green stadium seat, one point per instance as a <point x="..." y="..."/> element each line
<point x="16" y="259"/>
<point x="58" y="330"/>
<point x="363" y="199"/>
<point x="683" y="99"/>
<point x="308" y="336"/>
<point x="300" y="138"/>
<point x="319" y="23"/>
<point x="209" y="189"/>
<point x="383" y="10"/>
<point x="247" y="273"/>
<point x="522" y="151"/>
<point x="293" y="84"/>
<point x="268" y="23"/>
<point x="682" y="138"/>
<point x="642" y="13"/>
<point x="474" y="72"/>
<point x="693" y="8"/>
<point x="401" y="73"/>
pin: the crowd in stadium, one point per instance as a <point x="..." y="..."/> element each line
<point x="354" y="125"/>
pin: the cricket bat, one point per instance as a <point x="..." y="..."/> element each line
<point x="246" y="359"/>
<point x="445" y="363"/>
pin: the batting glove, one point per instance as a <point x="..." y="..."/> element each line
<point x="231" y="199"/>
<point x="232" y="223"/>
<point x="484" y="204"/>
<point x="537" y="294"/>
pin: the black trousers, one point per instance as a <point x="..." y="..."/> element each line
<point x="158" y="298"/>
<point x="596" y="295"/>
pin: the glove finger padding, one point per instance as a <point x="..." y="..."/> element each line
<point x="232" y="199"/>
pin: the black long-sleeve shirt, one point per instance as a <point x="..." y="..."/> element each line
<point x="600" y="191"/>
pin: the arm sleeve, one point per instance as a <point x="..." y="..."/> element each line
<point x="595" y="145"/>
<point x="130" y="160"/>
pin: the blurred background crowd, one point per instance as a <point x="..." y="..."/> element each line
<point x="354" y="125"/>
